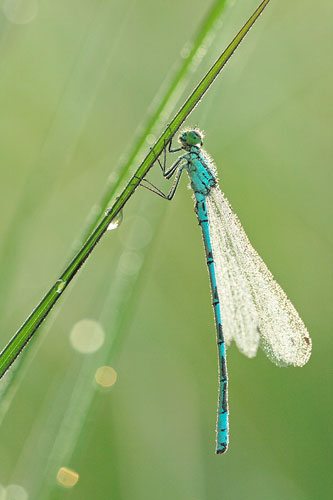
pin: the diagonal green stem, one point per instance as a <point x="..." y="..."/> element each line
<point x="23" y="335"/>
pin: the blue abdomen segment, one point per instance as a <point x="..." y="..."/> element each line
<point x="222" y="426"/>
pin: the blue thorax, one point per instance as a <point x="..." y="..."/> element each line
<point x="201" y="175"/>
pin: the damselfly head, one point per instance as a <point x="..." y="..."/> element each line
<point x="192" y="137"/>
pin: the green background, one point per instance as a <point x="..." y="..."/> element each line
<point x="76" y="81"/>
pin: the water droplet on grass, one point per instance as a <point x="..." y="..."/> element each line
<point x="60" y="286"/>
<point x="116" y="221"/>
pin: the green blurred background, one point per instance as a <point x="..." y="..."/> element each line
<point x="76" y="80"/>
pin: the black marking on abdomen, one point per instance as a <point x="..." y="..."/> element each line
<point x="215" y="297"/>
<point x="210" y="259"/>
<point x="201" y="221"/>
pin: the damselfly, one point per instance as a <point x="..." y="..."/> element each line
<point x="249" y="305"/>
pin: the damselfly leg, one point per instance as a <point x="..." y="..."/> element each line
<point x="166" y="173"/>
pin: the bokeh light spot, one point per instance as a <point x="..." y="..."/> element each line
<point x="67" y="477"/>
<point x="151" y="139"/>
<point x="15" y="492"/>
<point x="106" y="376"/>
<point x="130" y="263"/>
<point x="87" y="336"/>
<point x="20" y="11"/>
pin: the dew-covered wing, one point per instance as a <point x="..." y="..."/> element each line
<point x="255" y="310"/>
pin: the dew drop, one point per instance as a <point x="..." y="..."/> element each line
<point x="116" y="221"/>
<point x="60" y="286"/>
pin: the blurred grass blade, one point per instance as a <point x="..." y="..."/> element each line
<point x="24" y="334"/>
